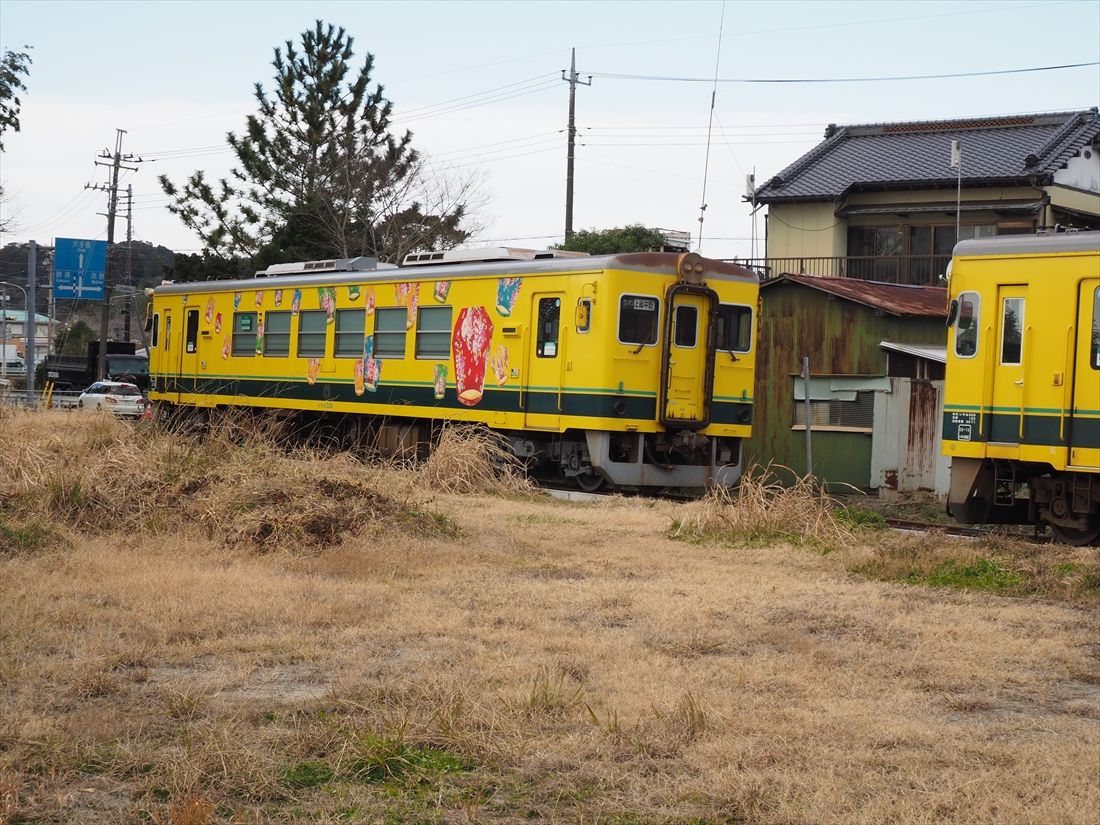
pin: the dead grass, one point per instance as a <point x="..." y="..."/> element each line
<point x="472" y="459"/>
<point x="539" y="662"/>
<point x="763" y="511"/>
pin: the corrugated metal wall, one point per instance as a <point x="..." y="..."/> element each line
<point x="905" y="446"/>
<point x="841" y="338"/>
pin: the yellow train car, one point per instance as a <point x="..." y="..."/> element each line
<point x="1022" y="395"/>
<point x="635" y="370"/>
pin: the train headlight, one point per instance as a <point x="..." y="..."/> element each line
<point x="691" y="268"/>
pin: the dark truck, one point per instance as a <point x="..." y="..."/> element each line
<point x="75" y="372"/>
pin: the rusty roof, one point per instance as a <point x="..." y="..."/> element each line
<point x="895" y="299"/>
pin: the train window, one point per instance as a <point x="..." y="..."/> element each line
<point x="389" y="332"/>
<point x="1012" y="331"/>
<point x="546" y="341"/>
<point x="350" y="329"/>
<point x="638" y="319"/>
<point x="167" y="332"/>
<point x="433" y="332"/>
<point x="966" y="325"/>
<point x="244" y="333"/>
<point x="734" y="328"/>
<point x="156" y="329"/>
<point x="583" y="321"/>
<point x="311" y="333"/>
<point x="277" y="334"/>
<point x="1096" y="329"/>
<point x="191" y="339"/>
<point x="685" y="326"/>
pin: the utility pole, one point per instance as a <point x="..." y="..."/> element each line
<point x="30" y="317"/>
<point x="115" y="161"/>
<point x="128" y="302"/>
<point x="573" y="81"/>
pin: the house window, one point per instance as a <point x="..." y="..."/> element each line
<point x="277" y="334"/>
<point x="349" y="332"/>
<point x="1012" y="326"/>
<point x="876" y="250"/>
<point x="734" y="328"/>
<point x="311" y="333"/>
<point x="966" y="325"/>
<point x="857" y="414"/>
<point x="389" y="332"/>
<point x="433" y="332"/>
<point x="638" y="319"/>
<point x="244" y="333"/>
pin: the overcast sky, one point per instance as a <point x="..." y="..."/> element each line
<point x="479" y="84"/>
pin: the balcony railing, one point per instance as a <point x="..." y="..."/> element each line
<point x="918" y="270"/>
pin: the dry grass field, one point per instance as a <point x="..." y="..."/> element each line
<point x="216" y="631"/>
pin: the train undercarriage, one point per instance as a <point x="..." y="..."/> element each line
<point x="994" y="491"/>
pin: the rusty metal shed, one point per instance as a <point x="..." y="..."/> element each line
<point x="840" y="324"/>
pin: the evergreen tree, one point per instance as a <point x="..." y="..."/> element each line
<point x="631" y="238"/>
<point x="319" y="173"/>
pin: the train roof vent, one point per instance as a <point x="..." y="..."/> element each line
<point x="333" y="265"/>
<point x="486" y="255"/>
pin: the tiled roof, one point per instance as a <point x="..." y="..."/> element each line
<point x="994" y="150"/>
<point x="895" y="299"/>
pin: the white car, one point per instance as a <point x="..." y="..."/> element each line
<point x="124" y="400"/>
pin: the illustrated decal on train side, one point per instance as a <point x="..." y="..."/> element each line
<point x="507" y="290"/>
<point x="209" y="314"/>
<point x="259" y="297"/>
<point x="414" y="302"/>
<point x="296" y="302"/>
<point x="326" y="297"/>
<point x="499" y="363"/>
<point x="313" y="369"/>
<point x="217" y="323"/>
<point x="357" y="376"/>
<point x="260" y="336"/>
<point x="372" y="367"/>
<point x="440" y="291"/>
<point x="353" y="293"/>
<point x="278" y="297"/>
<point x="369" y="301"/>
<point x="440" y="381"/>
<point x="225" y="349"/>
<point x="236" y="300"/>
<point x="470" y="343"/>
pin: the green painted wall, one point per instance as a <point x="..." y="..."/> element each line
<point x="841" y="338"/>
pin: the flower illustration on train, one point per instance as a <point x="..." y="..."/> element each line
<point x="313" y="369"/>
<point x="326" y="297"/>
<point x="470" y="343"/>
<point x="260" y="336"/>
<point x="368" y="301"/>
<point x="296" y="302"/>
<point x="440" y="381"/>
<point x="217" y="323"/>
<point x="414" y="302"/>
<point x="499" y="363"/>
<point x="353" y="293"/>
<point x="210" y="305"/>
<point x="372" y="367"/>
<point x="225" y="349"/>
<point x="357" y="371"/>
<point x="236" y="300"/>
<point x="278" y="297"/>
<point x="259" y="297"/>
<point x="442" y="289"/>
<point x="507" y="290"/>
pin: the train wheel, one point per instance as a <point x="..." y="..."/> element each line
<point x="589" y="482"/>
<point x="1078" y="536"/>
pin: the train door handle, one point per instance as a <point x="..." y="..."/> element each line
<point x="1019" y="383"/>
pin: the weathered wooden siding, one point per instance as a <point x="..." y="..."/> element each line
<point x="905" y="446"/>
<point x="841" y="338"/>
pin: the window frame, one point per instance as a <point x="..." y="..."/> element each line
<point x="676" y="326"/>
<point x="752" y="328"/>
<point x="269" y="351"/>
<point x="975" y="320"/>
<point x="1019" y="330"/>
<point x="341" y="335"/>
<point x="312" y="313"/>
<point x="619" y="320"/>
<point x="401" y="313"/>
<point x="238" y="335"/>
<point x="447" y="331"/>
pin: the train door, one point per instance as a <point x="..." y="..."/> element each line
<point x="688" y="367"/>
<point x="1009" y="391"/>
<point x="543" y="398"/>
<point x="1084" y="431"/>
<point x="189" y="352"/>
<point x="167" y="365"/>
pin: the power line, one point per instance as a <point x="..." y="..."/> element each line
<point x="616" y="76"/>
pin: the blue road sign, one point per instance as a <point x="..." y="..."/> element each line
<point x="78" y="268"/>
